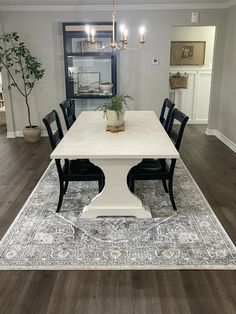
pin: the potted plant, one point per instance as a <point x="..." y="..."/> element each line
<point x="24" y="70"/>
<point x="114" y="110"/>
<point x="178" y="80"/>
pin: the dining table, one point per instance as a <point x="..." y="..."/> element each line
<point x="115" y="154"/>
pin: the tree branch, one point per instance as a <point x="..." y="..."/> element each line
<point x="14" y="81"/>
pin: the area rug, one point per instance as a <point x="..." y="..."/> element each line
<point x="191" y="238"/>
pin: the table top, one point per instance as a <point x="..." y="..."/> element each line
<point x="144" y="137"/>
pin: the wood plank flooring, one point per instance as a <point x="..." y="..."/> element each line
<point x="213" y="166"/>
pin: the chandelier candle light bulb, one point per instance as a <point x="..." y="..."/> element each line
<point x="125" y="35"/>
<point x="87" y="30"/>
<point x="93" y="35"/>
<point x="142" y="32"/>
<point x="122" y="31"/>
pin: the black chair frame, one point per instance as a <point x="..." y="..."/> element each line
<point x="70" y="170"/>
<point x="167" y="105"/>
<point x="68" y="109"/>
<point x="151" y="169"/>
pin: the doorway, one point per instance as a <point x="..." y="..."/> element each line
<point x="191" y="59"/>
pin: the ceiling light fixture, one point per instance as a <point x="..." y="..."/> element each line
<point x="122" y="44"/>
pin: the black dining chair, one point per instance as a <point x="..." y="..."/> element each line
<point x="160" y="169"/>
<point x="70" y="170"/>
<point x="68" y="109"/>
<point x="166" y="112"/>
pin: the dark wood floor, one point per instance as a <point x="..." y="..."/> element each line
<point x="213" y="166"/>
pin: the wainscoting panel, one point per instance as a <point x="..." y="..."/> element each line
<point x="193" y="101"/>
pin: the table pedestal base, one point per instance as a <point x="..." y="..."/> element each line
<point x="115" y="199"/>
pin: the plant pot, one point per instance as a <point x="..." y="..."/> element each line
<point x="113" y="120"/>
<point x="178" y="82"/>
<point x="32" y="134"/>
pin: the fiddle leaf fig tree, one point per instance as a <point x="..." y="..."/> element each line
<point x="23" y="69"/>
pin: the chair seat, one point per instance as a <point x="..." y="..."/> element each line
<point x="151" y="169"/>
<point x="83" y="168"/>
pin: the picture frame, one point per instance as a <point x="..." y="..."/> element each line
<point x="82" y="46"/>
<point x="88" y="82"/>
<point x="187" y="53"/>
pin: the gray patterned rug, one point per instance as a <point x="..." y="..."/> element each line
<point x="192" y="238"/>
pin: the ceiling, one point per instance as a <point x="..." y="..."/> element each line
<point x="107" y="2"/>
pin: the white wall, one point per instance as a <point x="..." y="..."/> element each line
<point x="227" y="109"/>
<point x="194" y="33"/>
<point x="147" y="83"/>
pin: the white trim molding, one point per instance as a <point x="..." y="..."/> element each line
<point x="199" y="121"/>
<point x="20" y="134"/>
<point x="11" y="135"/>
<point x="222" y="138"/>
<point x="122" y="7"/>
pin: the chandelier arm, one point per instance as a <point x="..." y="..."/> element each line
<point x="119" y="46"/>
<point x="133" y="49"/>
<point x="97" y="49"/>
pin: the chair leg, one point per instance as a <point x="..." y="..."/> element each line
<point x="65" y="187"/>
<point x="131" y="184"/>
<point x="165" y="186"/>
<point x="101" y="184"/>
<point x="60" y="196"/>
<point x="170" y="187"/>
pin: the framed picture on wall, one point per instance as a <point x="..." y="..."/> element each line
<point x="187" y="53"/>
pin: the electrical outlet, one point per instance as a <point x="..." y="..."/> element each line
<point x="155" y="61"/>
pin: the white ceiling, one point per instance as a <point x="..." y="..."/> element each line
<point x="106" y="2"/>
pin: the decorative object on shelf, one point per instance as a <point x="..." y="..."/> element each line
<point x="106" y="87"/>
<point x="178" y="80"/>
<point x="24" y="70"/>
<point x="114" y="110"/>
<point x="122" y="44"/>
<point x="187" y="53"/>
<point x="82" y="46"/>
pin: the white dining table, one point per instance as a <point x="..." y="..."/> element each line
<point x="116" y="153"/>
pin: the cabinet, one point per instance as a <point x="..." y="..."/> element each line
<point x="89" y="73"/>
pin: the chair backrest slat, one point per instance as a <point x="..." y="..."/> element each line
<point x="54" y="129"/>
<point x="68" y="110"/>
<point x="166" y="110"/>
<point x="178" y="119"/>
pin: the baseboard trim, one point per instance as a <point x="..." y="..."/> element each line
<point x="11" y="135"/>
<point x="202" y="121"/>
<point x="20" y="134"/>
<point x="222" y="138"/>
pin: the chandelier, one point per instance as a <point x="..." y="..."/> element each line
<point x="122" y="44"/>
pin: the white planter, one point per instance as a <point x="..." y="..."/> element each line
<point x="112" y="119"/>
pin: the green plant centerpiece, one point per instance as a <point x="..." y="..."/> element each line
<point x="114" y="109"/>
<point x="23" y="70"/>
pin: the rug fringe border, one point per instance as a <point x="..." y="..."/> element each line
<point x="141" y="267"/>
